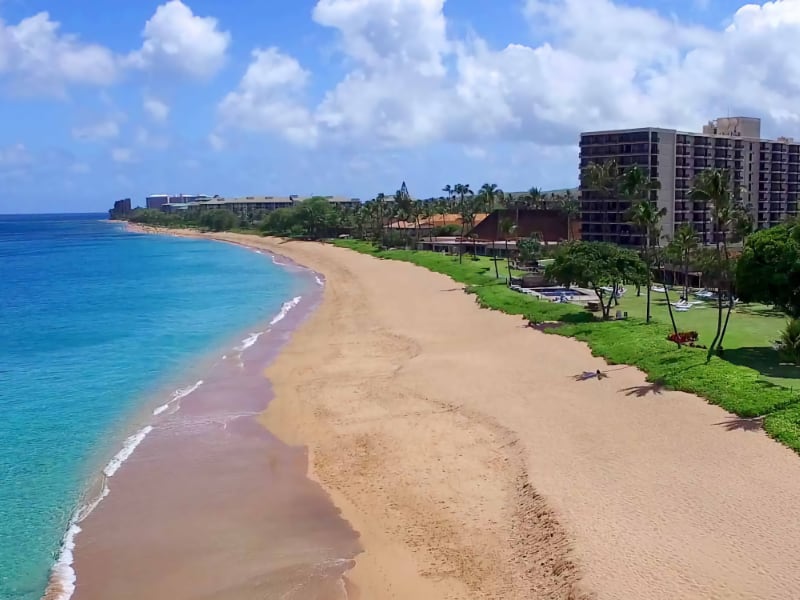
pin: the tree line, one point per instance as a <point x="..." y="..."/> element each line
<point x="767" y="270"/>
<point x="730" y="221"/>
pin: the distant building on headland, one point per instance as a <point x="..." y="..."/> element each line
<point x="156" y="201"/>
<point x="122" y="208"/>
<point x="248" y="205"/>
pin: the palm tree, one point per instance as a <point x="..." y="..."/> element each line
<point x="603" y="179"/>
<point x="506" y="227"/>
<point x="404" y="205"/>
<point x="535" y="198"/>
<point x="428" y="211"/>
<point x="712" y="187"/>
<point x="462" y="190"/>
<point x="380" y="205"/>
<point x="571" y="207"/>
<point x="637" y="185"/>
<point x="443" y="209"/>
<point x="683" y="246"/>
<point x="490" y="192"/>
<point x="449" y="190"/>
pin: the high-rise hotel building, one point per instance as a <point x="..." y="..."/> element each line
<point x="767" y="172"/>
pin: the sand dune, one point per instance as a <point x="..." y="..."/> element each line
<point x="475" y="466"/>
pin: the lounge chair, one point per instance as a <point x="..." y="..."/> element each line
<point x="658" y="289"/>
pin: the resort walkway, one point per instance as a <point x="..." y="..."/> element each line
<point x="461" y="446"/>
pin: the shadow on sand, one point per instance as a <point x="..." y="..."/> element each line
<point x="640" y="391"/>
<point x="738" y="423"/>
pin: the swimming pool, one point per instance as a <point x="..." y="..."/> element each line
<point x="557" y="291"/>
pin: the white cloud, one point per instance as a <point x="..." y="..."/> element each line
<point x="178" y="41"/>
<point x="378" y="34"/>
<point x="122" y="155"/>
<point x="150" y="140"/>
<point x="38" y="59"/>
<point x="598" y="64"/>
<point x="394" y="93"/>
<point x="269" y="98"/>
<point x="102" y="130"/>
<point x="475" y="152"/>
<point x="216" y="141"/>
<point x="157" y="109"/>
<point x="15" y="156"/>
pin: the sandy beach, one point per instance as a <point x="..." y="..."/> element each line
<point x="459" y="445"/>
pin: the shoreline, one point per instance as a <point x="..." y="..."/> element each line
<point x="474" y="465"/>
<point x="272" y="334"/>
<point x="393" y="565"/>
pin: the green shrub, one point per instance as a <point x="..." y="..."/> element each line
<point x="789" y="344"/>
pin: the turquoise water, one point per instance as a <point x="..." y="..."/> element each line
<point x="94" y="321"/>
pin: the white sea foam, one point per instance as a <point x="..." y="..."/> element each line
<point x="275" y="261"/>
<point x="127" y="449"/>
<point x="62" y="576"/>
<point x="249" y="341"/>
<point x="177" y="395"/>
<point x="320" y="280"/>
<point x="287" y="306"/>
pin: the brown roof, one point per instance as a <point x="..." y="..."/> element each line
<point x="437" y="221"/>
<point x="549" y="225"/>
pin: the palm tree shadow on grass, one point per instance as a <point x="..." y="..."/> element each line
<point x="737" y="423"/>
<point x="763" y="359"/>
<point x="760" y="310"/>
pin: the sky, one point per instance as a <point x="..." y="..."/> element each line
<point x="101" y="100"/>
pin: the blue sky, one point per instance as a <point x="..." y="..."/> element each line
<point x="103" y="100"/>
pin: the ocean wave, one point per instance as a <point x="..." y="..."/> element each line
<point x="275" y="261"/>
<point x="62" y="575"/>
<point x="249" y="341"/>
<point x="127" y="449"/>
<point x="287" y="306"/>
<point x="177" y="395"/>
<point x="320" y="280"/>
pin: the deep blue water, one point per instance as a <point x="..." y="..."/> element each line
<point x="94" y="321"/>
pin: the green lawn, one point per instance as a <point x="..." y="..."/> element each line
<point x="730" y="383"/>
<point x="748" y="341"/>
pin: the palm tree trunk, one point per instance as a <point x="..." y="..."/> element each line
<point x="713" y="345"/>
<point x="671" y="314"/>
<point x="494" y="250"/>
<point x="649" y="275"/>
<point x="686" y="277"/>
<point x="508" y="262"/>
<point x="720" y="347"/>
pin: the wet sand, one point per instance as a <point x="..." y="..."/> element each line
<point x="211" y="505"/>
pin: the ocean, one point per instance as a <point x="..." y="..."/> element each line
<point x="99" y="330"/>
